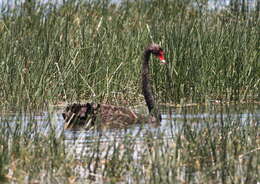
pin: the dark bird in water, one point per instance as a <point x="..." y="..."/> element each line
<point x="90" y="115"/>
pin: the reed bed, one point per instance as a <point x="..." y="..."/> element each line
<point x="87" y="50"/>
<point x="91" y="51"/>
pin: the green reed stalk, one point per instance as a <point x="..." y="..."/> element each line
<point x="85" y="50"/>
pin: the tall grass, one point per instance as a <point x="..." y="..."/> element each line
<point x="88" y="50"/>
<point x="91" y="51"/>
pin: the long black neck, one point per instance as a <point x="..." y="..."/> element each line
<point x="146" y="86"/>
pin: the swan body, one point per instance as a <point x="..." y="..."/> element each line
<point x="91" y="115"/>
<point x="87" y="116"/>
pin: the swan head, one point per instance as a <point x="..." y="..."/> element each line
<point x="157" y="51"/>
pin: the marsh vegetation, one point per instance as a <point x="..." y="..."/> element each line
<point x="81" y="51"/>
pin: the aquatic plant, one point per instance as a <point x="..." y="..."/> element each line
<point x="87" y="50"/>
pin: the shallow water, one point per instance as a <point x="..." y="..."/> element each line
<point x="173" y="121"/>
<point x="177" y="123"/>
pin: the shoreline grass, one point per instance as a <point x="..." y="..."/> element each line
<point x="79" y="51"/>
<point x="91" y="51"/>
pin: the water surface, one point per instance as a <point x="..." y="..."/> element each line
<point x="190" y="143"/>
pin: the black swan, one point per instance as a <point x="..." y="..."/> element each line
<point x="102" y="115"/>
